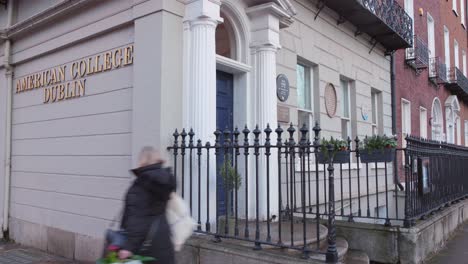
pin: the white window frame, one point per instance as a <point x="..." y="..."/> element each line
<point x="409" y="8"/>
<point x="462" y="12"/>
<point x="458" y="130"/>
<point x="437" y="128"/>
<point x="376" y="112"/>
<point x="464" y="61"/>
<point x="309" y="71"/>
<point x="345" y="119"/>
<point x="454" y="7"/>
<point x="466" y="133"/>
<point x="423" y="122"/>
<point x="405" y="119"/>
<point x="456" y="53"/>
<point x="447" y="48"/>
<point x="431" y="37"/>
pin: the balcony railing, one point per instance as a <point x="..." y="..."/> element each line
<point x="384" y="20"/>
<point x="458" y="83"/>
<point x="437" y="71"/>
<point x="417" y="56"/>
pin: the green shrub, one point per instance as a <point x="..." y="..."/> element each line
<point x="374" y="143"/>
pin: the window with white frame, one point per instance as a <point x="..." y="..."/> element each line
<point x="304" y="95"/>
<point x="437" y="120"/>
<point x="346" y="130"/>
<point x="464" y="61"/>
<point x="454" y="7"/>
<point x="447" y="46"/>
<point x="376" y="112"/>
<point x="423" y="122"/>
<point x="409" y="8"/>
<point x="405" y="119"/>
<point x="431" y="35"/>
<point x="458" y="130"/>
<point x="462" y="12"/>
<point x="466" y="133"/>
<point x="456" y="54"/>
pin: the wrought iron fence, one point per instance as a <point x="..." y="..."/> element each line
<point x="277" y="188"/>
<point x="435" y="177"/>
<point x="390" y="12"/>
<point x="437" y="71"/>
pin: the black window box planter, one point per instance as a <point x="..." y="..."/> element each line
<point x="385" y="155"/>
<point x="340" y="157"/>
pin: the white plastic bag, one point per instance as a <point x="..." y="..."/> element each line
<point x="130" y="262"/>
<point x="180" y="221"/>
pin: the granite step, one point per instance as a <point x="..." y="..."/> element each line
<point x="356" y="257"/>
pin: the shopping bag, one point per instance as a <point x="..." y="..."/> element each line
<point x="180" y="221"/>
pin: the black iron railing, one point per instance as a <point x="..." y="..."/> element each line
<point x="457" y="82"/>
<point x="437" y="71"/>
<point x="418" y="55"/>
<point x="435" y="177"/>
<point x="286" y="187"/>
<point x="276" y="188"/>
<point x="391" y="13"/>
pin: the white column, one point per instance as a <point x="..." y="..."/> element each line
<point x="201" y="19"/>
<point x="265" y="21"/>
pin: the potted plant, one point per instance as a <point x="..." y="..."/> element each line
<point x="378" y="149"/>
<point x="340" y="153"/>
<point x="231" y="182"/>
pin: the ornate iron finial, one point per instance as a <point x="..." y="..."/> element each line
<point x="191" y="134"/>
<point x="279" y="131"/>
<point x="267" y="131"/>
<point x="317" y="130"/>
<point x="291" y="131"/>
<point x="227" y="136"/>
<point x="304" y="130"/>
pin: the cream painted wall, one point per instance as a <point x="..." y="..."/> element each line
<point x="336" y="52"/>
<point x="71" y="159"/>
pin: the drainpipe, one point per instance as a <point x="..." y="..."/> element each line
<point x="9" y="78"/>
<point x="394" y="115"/>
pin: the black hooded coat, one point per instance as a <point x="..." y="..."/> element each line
<point x="146" y="202"/>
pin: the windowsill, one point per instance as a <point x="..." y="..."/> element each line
<point x="455" y="12"/>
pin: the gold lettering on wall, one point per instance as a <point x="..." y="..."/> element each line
<point x="57" y="87"/>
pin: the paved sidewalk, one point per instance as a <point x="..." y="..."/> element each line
<point x="456" y="250"/>
<point x="15" y="254"/>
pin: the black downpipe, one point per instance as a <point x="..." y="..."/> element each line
<point x="394" y="115"/>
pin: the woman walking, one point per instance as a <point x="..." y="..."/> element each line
<point x="144" y="216"/>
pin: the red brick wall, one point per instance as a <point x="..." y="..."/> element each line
<point x="417" y="88"/>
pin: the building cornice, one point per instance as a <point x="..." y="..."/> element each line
<point x="43" y="17"/>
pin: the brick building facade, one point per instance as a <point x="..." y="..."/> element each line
<point x="429" y="96"/>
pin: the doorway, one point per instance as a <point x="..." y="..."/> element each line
<point x="224" y="120"/>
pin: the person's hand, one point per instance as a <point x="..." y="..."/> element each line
<point x="124" y="254"/>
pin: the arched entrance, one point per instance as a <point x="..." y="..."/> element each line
<point x="452" y="116"/>
<point x="231" y="82"/>
<point x="436" y="120"/>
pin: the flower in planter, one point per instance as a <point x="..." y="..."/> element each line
<point x="337" y="143"/>
<point x="378" y="143"/>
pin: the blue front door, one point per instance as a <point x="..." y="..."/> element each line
<point x="224" y="119"/>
